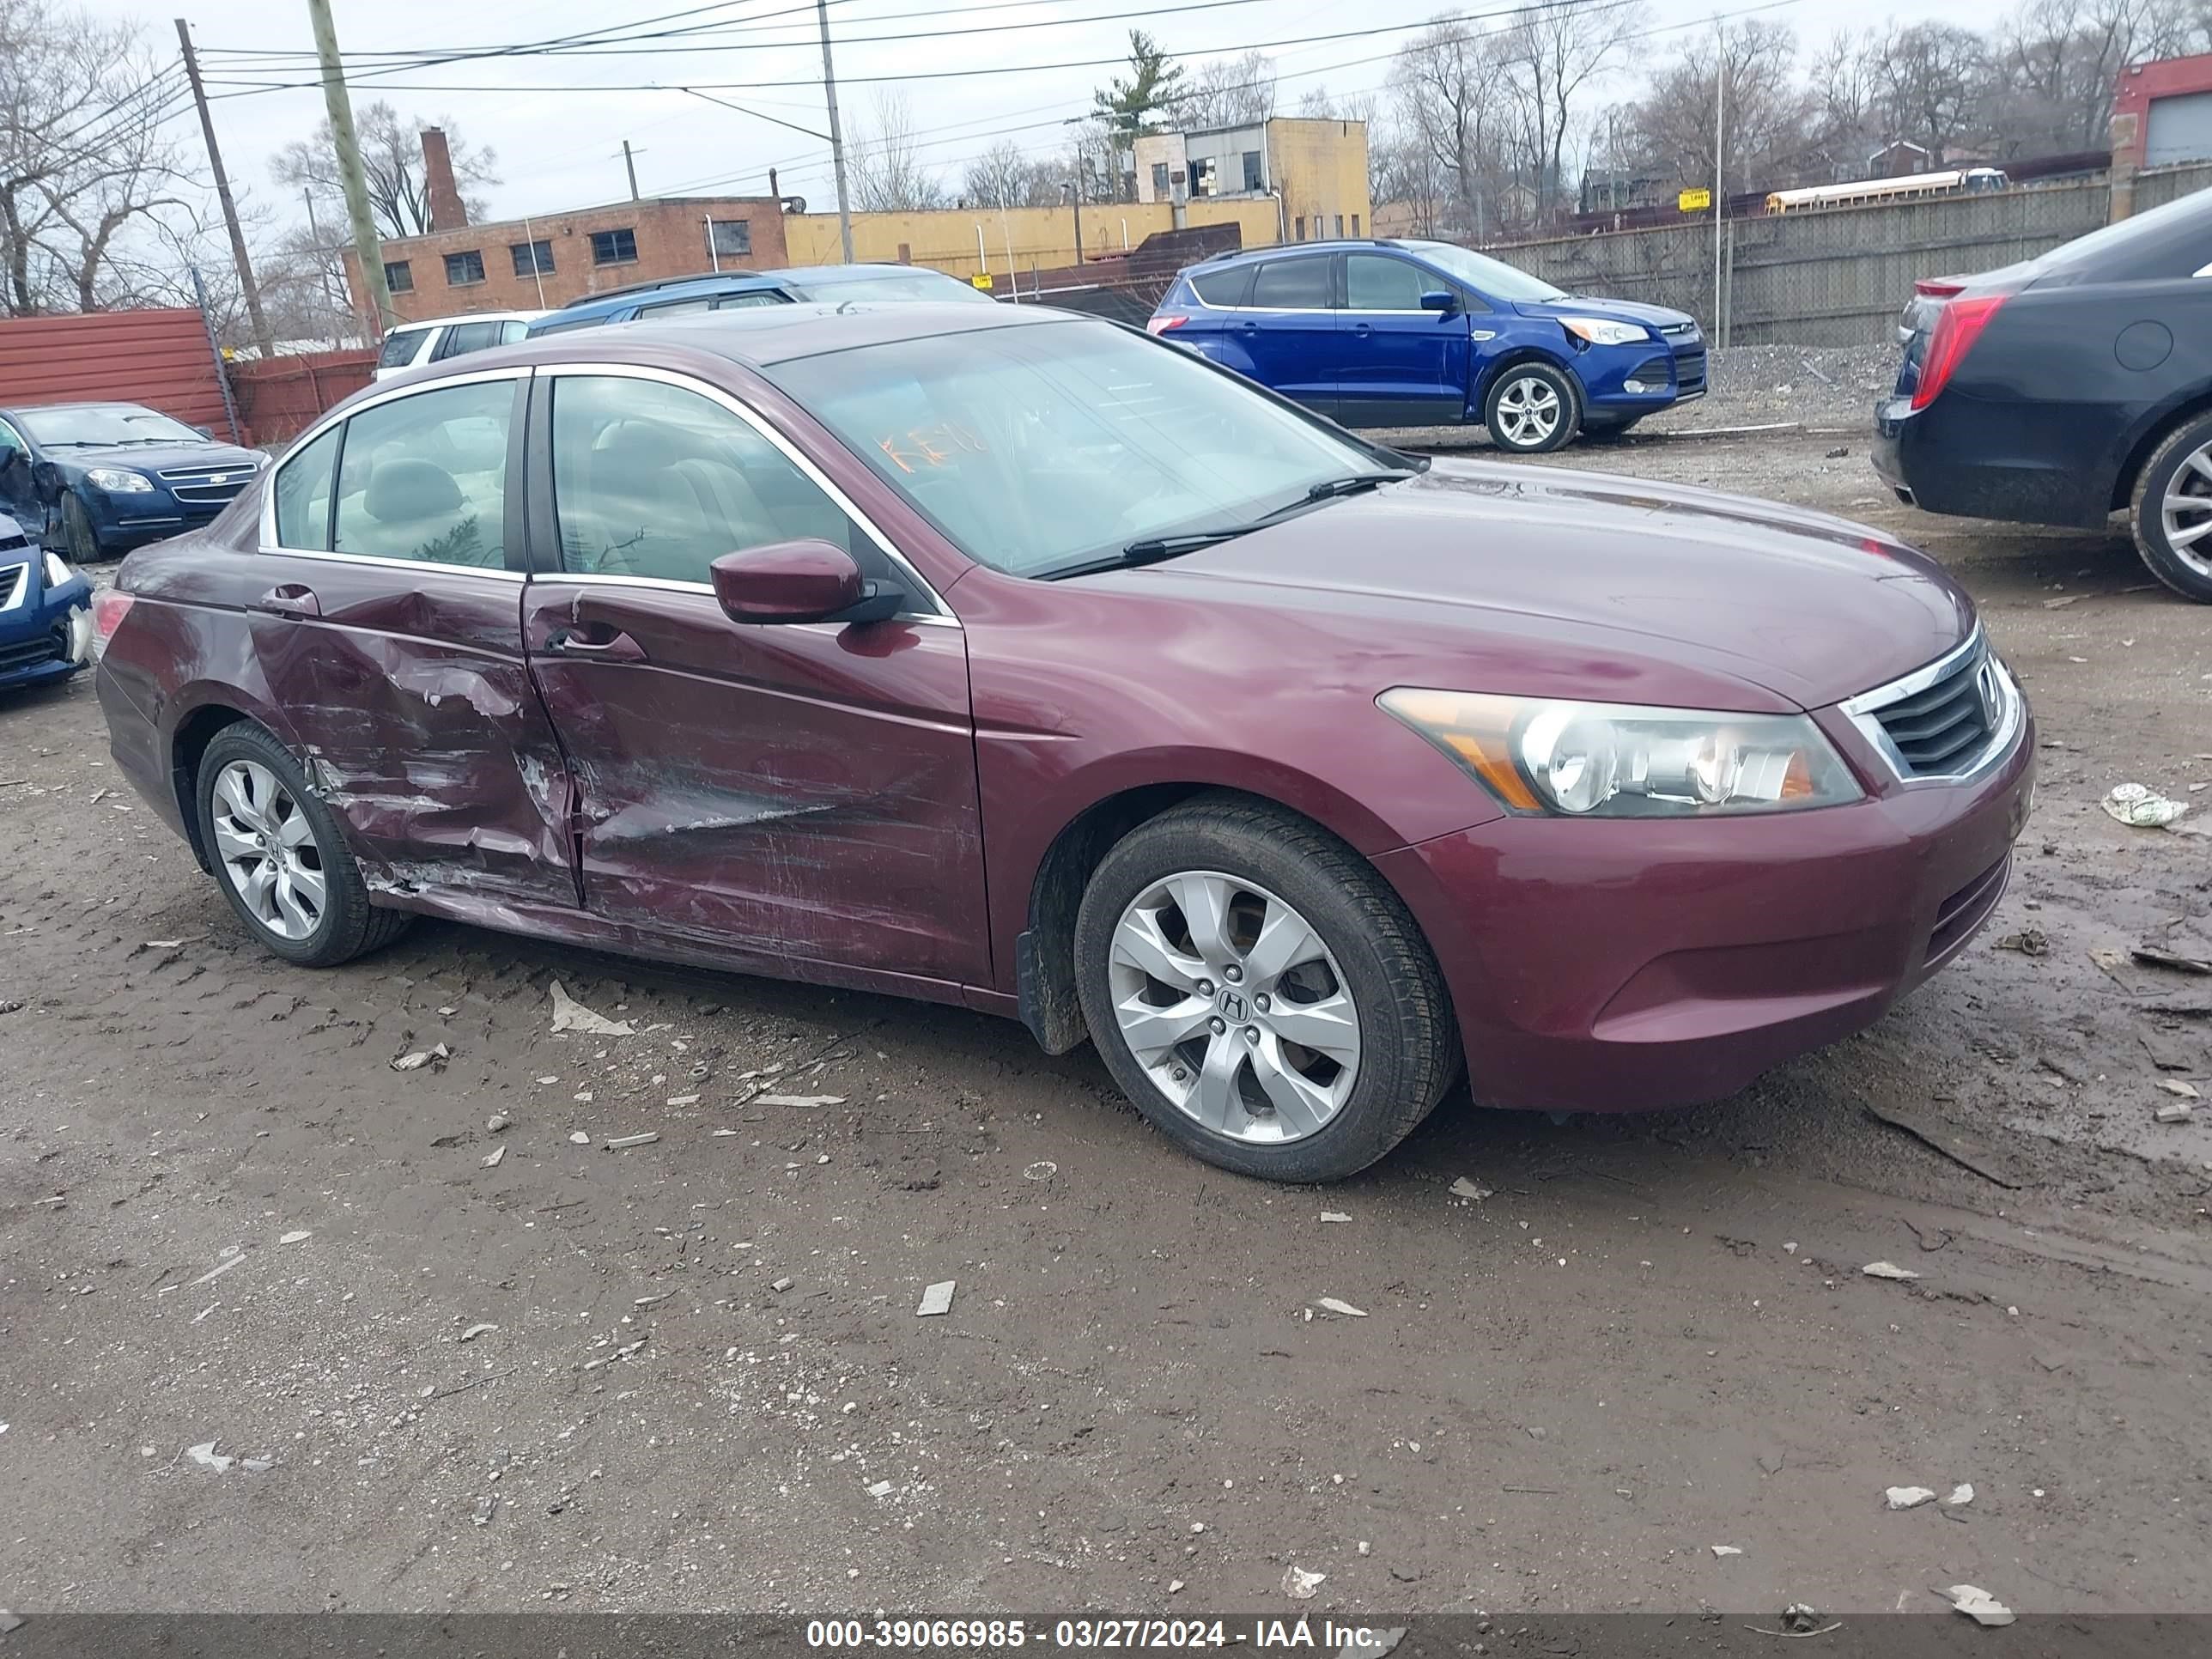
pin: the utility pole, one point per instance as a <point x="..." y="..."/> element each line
<point x="262" y="337"/>
<point x="1075" y="196"/>
<point x="629" y="165"/>
<point x="1720" y="170"/>
<point x="836" y="137"/>
<point x="366" y="247"/>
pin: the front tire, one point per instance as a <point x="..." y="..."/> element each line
<point x="1532" y="409"/>
<point x="2171" y="511"/>
<point x="279" y="855"/>
<point x="80" y="540"/>
<point x="1260" y="993"/>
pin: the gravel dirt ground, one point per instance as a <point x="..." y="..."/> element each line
<point x="464" y="1368"/>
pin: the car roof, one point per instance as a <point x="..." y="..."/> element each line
<point x="863" y="273"/>
<point x="1291" y="249"/>
<point x="736" y="282"/>
<point x="467" y="317"/>
<point x="84" y="402"/>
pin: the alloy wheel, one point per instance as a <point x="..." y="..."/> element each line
<point x="2186" y="513"/>
<point x="267" y="850"/>
<point x="1235" y="1007"/>
<point x="1528" y="411"/>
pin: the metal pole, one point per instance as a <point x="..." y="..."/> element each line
<point x="537" y="272"/>
<point x="712" y="255"/>
<point x="982" y="251"/>
<point x="629" y="165"/>
<point x="366" y="247"/>
<point x="1720" y="170"/>
<point x="1075" y="197"/>
<point x="836" y="137"/>
<point x="262" y="338"/>
<point x="215" y="353"/>
<point x="336" y="300"/>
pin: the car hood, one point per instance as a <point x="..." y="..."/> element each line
<point x="153" y="457"/>
<point x="1540" y="582"/>
<point x="1613" y="311"/>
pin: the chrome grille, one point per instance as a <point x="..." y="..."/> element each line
<point x="1946" y="721"/>
<point x="15" y="581"/>
<point x="207" y="486"/>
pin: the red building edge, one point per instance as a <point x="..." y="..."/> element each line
<point x="2139" y="87"/>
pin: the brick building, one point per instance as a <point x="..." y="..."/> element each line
<point x="519" y="264"/>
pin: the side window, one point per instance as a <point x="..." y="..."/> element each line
<point x="303" y="495"/>
<point x="464" y="338"/>
<point x="651" y="480"/>
<point x="425" y="478"/>
<point x="513" y="330"/>
<point x="399" y="348"/>
<point x="1376" y="282"/>
<point x="1291" y="285"/>
<point x="1224" y="288"/>
<point x="757" y="296"/>
<point x="675" y="307"/>
<point x="10" y="444"/>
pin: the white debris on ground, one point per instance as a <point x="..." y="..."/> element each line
<point x="1978" y="1605"/>
<point x="1299" y="1584"/>
<point x="1909" y="1497"/>
<point x="936" y="1299"/>
<point x="570" y="1015"/>
<point x="2142" y="807"/>
<point x="1888" y="1270"/>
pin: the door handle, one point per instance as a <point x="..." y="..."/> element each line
<point x="615" y="647"/>
<point x="1363" y="330"/>
<point x="289" y="599"/>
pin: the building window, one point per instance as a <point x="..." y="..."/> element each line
<point x="1340" y="224"/>
<point x="1252" y="169"/>
<point x="729" y="237"/>
<point x="398" y="278"/>
<point x="463" y="269"/>
<point x="614" y="247"/>
<point x="1355" y="224"/>
<point x="1201" y="176"/>
<point x="1159" y="181"/>
<point x="532" y="258"/>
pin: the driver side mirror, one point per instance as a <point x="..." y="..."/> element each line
<point x="800" y="581"/>
<point x="206" y="432"/>
<point x="1442" y="300"/>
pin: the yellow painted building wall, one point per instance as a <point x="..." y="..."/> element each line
<point x="1041" y="238"/>
<point x="1322" y="168"/>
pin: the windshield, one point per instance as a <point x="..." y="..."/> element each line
<point x="916" y="285"/>
<point x="1042" y="448"/>
<point x="1492" y="279"/>
<point x="106" y="423"/>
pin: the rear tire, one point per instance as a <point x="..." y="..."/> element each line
<point x="1532" y="408"/>
<point x="2171" y="513"/>
<point x="1348" y="970"/>
<point x="280" y="858"/>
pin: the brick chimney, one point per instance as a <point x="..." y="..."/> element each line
<point x="447" y="211"/>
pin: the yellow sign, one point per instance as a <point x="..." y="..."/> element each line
<point x="1694" y="200"/>
<point x="982" y="279"/>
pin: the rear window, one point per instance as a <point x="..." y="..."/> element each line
<point x="400" y="347"/>
<point x="2167" y="243"/>
<point x="1222" y="288"/>
<point x="1291" y="285"/>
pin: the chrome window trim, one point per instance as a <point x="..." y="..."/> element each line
<point x="496" y="572"/>
<point x="2012" y="710"/>
<point x="706" y="590"/>
<point x="922" y="592"/>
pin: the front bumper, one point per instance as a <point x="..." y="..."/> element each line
<point x="49" y="639"/>
<point x="1642" y="379"/>
<point x="1626" y="966"/>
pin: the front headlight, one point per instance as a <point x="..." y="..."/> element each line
<point x="1624" y="761"/>
<point x="116" y="482"/>
<point x="57" y="570"/>
<point x="1600" y="331"/>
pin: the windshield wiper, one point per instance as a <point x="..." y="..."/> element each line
<point x="1152" y="550"/>
<point x="1329" y="489"/>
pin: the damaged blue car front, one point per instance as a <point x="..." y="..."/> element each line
<point x="46" y="612"/>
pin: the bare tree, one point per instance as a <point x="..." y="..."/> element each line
<point x="888" y="173"/>
<point x="89" y="187"/>
<point x="1451" y="88"/>
<point x="1926" y="78"/>
<point x="391" y="159"/>
<point x="2053" y="63"/>
<point x="1228" y="91"/>
<point x="1771" y="121"/>
<point x="1560" y="47"/>
<point x="1005" y="175"/>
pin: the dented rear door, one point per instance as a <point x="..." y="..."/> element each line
<point x="794" y="797"/>
<point x="386" y="618"/>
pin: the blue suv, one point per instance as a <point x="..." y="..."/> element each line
<point x="1415" y="333"/>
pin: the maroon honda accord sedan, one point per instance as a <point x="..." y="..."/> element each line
<point x="1018" y="661"/>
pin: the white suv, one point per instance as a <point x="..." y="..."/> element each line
<point x="412" y="344"/>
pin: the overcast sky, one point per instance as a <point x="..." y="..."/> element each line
<point x="561" y="149"/>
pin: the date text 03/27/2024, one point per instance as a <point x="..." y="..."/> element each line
<point x="999" y="1635"/>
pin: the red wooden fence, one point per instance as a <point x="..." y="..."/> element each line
<point x="280" y="397"/>
<point x="158" y="358"/>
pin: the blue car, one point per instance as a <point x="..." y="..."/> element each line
<point x="46" y="612"/>
<point x="1415" y="333"/>
<point x="95" y="480"/>
<point x="810" y="285"/>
